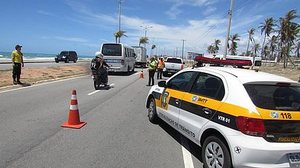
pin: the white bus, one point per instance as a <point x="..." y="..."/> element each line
<point x="141" y="57"/>
<point x="119" y="57"/>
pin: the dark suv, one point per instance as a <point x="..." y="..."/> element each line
<point x="67" y="56"/>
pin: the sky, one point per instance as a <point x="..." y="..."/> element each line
<point x="49" y="26"/>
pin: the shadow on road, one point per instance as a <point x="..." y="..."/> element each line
<point x="190" y="146"/>
<point x="121" y="73"/>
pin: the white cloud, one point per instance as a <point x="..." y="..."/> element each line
<point x="209" y="10"/>
<point x="177" y="4"/>
<point x="197" y="33"/>
<point x="72" y="39"/>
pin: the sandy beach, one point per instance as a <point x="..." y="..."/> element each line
<point x="32" y="76"/>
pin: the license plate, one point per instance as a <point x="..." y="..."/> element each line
<point x="294" y="159"/>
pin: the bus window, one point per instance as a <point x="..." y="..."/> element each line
<point x="112" y="50"/>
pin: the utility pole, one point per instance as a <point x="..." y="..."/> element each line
<point x="182" y="49"/>
<point x="228" y="30"/>
<point x="120" y="1"/>
<point x="146" y="27"/>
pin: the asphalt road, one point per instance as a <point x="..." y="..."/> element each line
<point x="117" y="135"/>
<point x="7" y="66"/>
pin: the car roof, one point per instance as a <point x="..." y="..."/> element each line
<point x="248" y="76"/>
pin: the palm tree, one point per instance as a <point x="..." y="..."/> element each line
<point x="143" y="40"/>
<point x="119" y="34"/>
<point x="256" y="47"/>
<point x="233" y="47"/>
<point x="266" y="28"/>
<point x="297" y="49"/>
<point x="211" y="49"/>
<point x="250" y="38"/>
<point x="216" y="45"/>
<point x="273" y="42"/>
<point x="288" y="33"/>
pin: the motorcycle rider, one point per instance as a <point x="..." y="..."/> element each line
<point x="99" y="65"/>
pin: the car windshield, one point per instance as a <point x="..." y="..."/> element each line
<point x="275" y="97"/>
<point x="111" y="49"/>
<point x="173" y="60"/>
<point x="64" y="53"/>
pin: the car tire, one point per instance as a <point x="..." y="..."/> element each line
<point x="95" y="85"/>
<point x="67" y="60"/>
<point x="75" y="60"/>
<point x="214" y="151"/>
<point x="152" y="114"/>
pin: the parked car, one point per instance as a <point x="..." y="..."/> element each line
<point x="67" y="56"/>
<point x="239" y="117"/>
<point x="172" y="66"/>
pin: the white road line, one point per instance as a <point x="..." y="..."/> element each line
<point x="93" y="92"/>
<point x="40" y="84"/>
<point x="187" y="156"/>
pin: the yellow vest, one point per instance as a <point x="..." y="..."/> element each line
<point x="16" y="57"/>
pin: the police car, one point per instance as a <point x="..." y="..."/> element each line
<point x="239" y="117"/>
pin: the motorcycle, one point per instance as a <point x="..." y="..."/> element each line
<point x="100" y="79"/>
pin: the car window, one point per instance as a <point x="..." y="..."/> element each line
<point x="73" y="53"/>
<point x="209" y="86"/>
<point x="174" y="60"/>
<point x="274" y="97"/>
<point x="64" y="53"/>
<point x="112" y="49"/>
<point x="180" y="81"/>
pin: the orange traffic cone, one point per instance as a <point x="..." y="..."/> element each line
<point x="142" y="75"/>
<point x="74" y="119"/>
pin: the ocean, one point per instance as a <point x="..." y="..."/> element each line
<point x="6" y="56"/>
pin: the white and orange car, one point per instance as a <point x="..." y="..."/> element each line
<point x="240" y="118"/>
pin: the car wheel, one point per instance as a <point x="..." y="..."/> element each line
<point x="215" y="153"/>
<point x="128" y="70"/>
<point x="95" y="85"/>
<point x="75" y="60"/>
<point x="152" y="115"/>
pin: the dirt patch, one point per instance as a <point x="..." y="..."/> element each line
<point x="34" y="75"/>
<point x="289" y="72"/>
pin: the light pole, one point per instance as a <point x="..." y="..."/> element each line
<point x="228" y="30"/>
<point x="182" y="49"/>
<point x="146" y="27"/>
<point x="120" y="1"/>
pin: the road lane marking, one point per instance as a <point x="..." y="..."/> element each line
<point x="187" y="156"/>
<point x="93" y="92"/>
<point x="46" y="82"/>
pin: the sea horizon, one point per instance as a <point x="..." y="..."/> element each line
<point x="6" y="56"/>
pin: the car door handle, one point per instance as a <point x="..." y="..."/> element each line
<point x="207" y="111"/>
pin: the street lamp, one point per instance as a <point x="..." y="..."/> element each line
<point x="146" y="27"/>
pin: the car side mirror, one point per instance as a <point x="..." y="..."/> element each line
<point x="162" y="84"/>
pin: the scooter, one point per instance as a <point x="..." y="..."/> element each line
<point x="99" y="79"/>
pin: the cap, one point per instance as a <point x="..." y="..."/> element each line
<point x="18" y="46"/>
